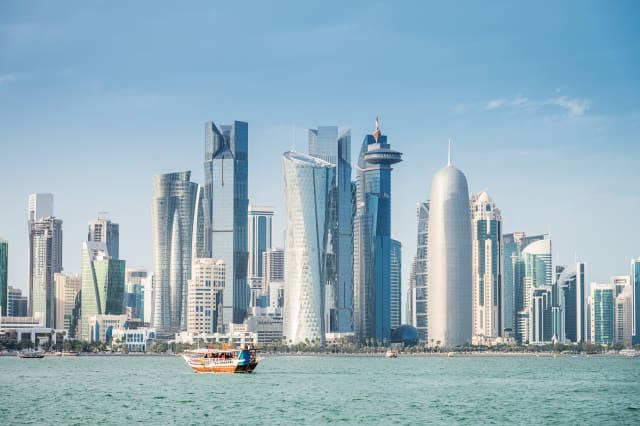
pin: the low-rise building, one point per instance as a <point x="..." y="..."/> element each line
<point x="135" y="340"/>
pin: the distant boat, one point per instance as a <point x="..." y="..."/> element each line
<point x="390" y="353"/>
<point x="629" y="352"/>
<point x="70" y="353"/>
<point x="222" y="360"/>
<point x="450" y="355"/>
<point x="30" y="354"/>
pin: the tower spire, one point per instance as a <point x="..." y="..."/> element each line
<point x="377" y="132"/>
<point x="449" y="157"/>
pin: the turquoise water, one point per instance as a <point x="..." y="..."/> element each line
<point x="321" y="390"/>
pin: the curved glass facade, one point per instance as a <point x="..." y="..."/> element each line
<point x="449" y="260"/>
<point x="308" y="182"/>
<point x="172" y="215"/>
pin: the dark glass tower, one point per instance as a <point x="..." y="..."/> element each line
<point x="225" y="208"/>
<point x="372" y="238"/>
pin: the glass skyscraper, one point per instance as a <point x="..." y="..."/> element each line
<point x="420" y="311"/>
<point x="537" y="270"/>
<point x="172" y="215"/>
<point x="449" y="303"/>
<point x="45" y="259"/>
<point x="4" y="268"/>
<point x="224" y="209"/>
<point x="396" y="284"/>
<point x="102" y="284"/>
<point x="327" y="144"/>
<point x="571" y="284"/>
<point x="260" y="221"/>
<point x="487" y="265"/>
<point x="372" y="238"/>
<point x="603" y="313"/>
<point x="308" y="184"/>
<point x="635" y="287"/>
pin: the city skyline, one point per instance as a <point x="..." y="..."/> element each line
<point x="556" y="129"/>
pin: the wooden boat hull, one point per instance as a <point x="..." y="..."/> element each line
<point x="244" y="361"/>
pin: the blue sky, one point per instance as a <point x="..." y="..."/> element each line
<point x="542" y="103"/>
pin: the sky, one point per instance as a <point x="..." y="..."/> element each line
<point x="541" y="101"/>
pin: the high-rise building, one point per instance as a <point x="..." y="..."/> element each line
<point x="260" y="220"/>
<point x="603" y="313"/>
<point x="541" y="315"/>
<point x="396" y="284"/>
<point x="102" y="284"/>
<point x="134" y="292"/>
<point x="148" y="289"/>
<point x="308" y="183"/>
<point x="537" y="272"/>
<point x="420" y="310"/>
<point x="67" y="287"/>
<point x="204" y="294"/>
<point x="410" y="297"/>
<point x="513" y="277"/>
<point x="327" y="144"/>
<point x="172" y="215"/>
<point x="104" y="231"/>
<point x="40" y="205"/>
<point x="4" y="268"/>
<point x="487" y="264"/>
<point x="571" y="283"/>
<point x="273" y="264"/>
<point x="624" y="316"/>
<point x="449" y="302"/>
<point x="17" y="304"/>
<point x="635" y="284"/>
<point x="45" y="259"/>
<point x="225" y="208"/>
<point x="372" y="238"/>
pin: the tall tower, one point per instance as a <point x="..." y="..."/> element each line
<point x="571" y="283"/>
<point x="260" y="221"/>
<point x="537" y="276"/>
<point x="102" y="284"/>
<point x="172" y="214"/>
<point x="635" y="287"/>
<point x="225" y="208"/>
<point x="45" y="259"/>
<point x="104" y="231"/>
<point x="308" y="182"/>
<point x="396" y="284"/>
<point x="486" y="234"/>
<point x="449" y="304"/>
<point x="40" y="205"/>
<point x="4" y="268"/>
<point x="420" y="311"/>
<point x="327" y="144"/>
<point x="603" y="298"/>
<point x="372" y="238"/>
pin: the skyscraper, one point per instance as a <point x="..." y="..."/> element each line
<point x="102" y="284"/>
<point x="40" y="205"/>
<point x="260" y="220"/>
<point x="45" y="259"/>
<point x="4" y="268"/>
<point x="225" y="204"/>
<point x="172" y="215"/>
<point x="67" y="287"/>
<point x="204" y="293"/>
<point x="635" y="284"/>
<point x="449" y="304"/>
<point x="17" y="305"/>
<point x="326" y="144"/>
<point x="308" y="183"/>
<point x="487" y="263"/>
<point x="104" y="231"/>
<point x="623" y="313"/>
<point x="537" y="274"/>
<point x="410" y="306"/>
<point x="602" y="313"/>
<point x="571" y="283"/>
<point x="420" y="310"/>
<point x="134" y="292"/>
<point x="372" y="238"/>
<point x="396" y="284"/>
<point x="513" y="277"/>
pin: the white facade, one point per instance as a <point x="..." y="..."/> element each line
<point x="487" y="264"/>
<point x="308" y="181"/>
<point x="101" y="327"/>
<point x="40" y="206"/>
<point x="624" y="315"/>
<point x="136" y="340"/>
<point x="204" y="304"/>
<point x="67" y="288"/>
<point x="449" y="304"/>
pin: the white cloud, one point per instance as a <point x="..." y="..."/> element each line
<point x="495" y="103"/>
<point x="575" y="107"/>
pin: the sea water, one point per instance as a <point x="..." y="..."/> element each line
<point x="323" y="390"/>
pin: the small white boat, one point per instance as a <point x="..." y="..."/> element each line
<point x="629" y="352"/>
<point x="391" y="354"/>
